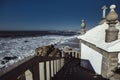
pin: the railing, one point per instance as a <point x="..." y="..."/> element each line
<point x="33" y="68"/>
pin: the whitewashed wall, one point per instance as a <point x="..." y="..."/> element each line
<point x="119" y="58"/>
<point x="93" y="56"/>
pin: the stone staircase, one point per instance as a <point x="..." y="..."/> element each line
<point x="73" y="71"/>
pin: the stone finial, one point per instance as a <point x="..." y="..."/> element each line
<point x="83" y="24"/>
<point x="83" y="31"/>
<point x="112" y="16"/>
<point x="104" y="11"/>
<point x="112" y="32"/>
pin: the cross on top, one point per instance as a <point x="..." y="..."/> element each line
<point x="104" y="11"/>
<point x="104" y="7"/>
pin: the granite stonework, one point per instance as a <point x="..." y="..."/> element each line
<point x="103" y="20"/>
<point x="109" y="61"/>
<point x="111" y="35"/>
<point x="82" y="31"/>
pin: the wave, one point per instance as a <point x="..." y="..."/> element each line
<point x="24" y="47"/>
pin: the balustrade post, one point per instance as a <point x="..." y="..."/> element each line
<point x="59" y="65"/>
<point x="75" y="54"/>
<point x="56" y="65"/>
<point x="47" y="70"/>
<point x="61" y="62"/>
<point x="52" y="69"/>
<point x="41" y="70"/>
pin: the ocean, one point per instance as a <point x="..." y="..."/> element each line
<point x="21" y="44"/>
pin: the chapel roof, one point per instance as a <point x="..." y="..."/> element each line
<point x="96" y="36"/>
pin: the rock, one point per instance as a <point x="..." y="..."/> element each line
<point x="49" y="50"/>
<point x="44" y="50"/>
<point x="8" y="58"/>
<point x="26" y="41"/>
<point x="56" y="52"/>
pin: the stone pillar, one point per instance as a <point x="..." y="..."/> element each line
<point x="83" y="31"/>
<point x="52" y="71"/>
<point x="47" y="70"/>
<point x="55" y="67"/>
<point x="76" y="55"/>
<point x="28" y="75"/>
<point x="41" y="71"/>
<point x="112" y="32"/>
<point x="109" y="64"/>
<point x="110" y="59"/>
<point x="104" y="15"/>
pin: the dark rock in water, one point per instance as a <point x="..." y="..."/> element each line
<point x="4" y="61"/>
<point x="8" y="58"/>
<point x="2" y="67"/>
<point x="26" y="41"/>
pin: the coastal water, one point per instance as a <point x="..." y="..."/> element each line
<point x="19" y="46"/>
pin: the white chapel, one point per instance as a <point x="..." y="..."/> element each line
<point x="101" y="44"/>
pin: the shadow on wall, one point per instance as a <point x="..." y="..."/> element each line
<point x="86" y="64"/>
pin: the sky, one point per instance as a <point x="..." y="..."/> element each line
<point x="51" y="14"/>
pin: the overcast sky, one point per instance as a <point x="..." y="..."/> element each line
<point x="51" y="14"/>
